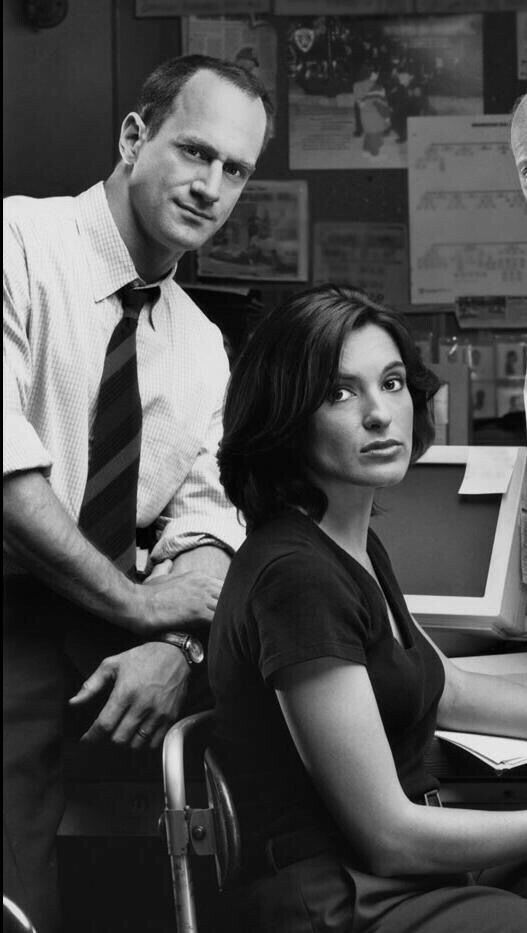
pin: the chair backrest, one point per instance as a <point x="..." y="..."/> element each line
<point x="211" y="830"/>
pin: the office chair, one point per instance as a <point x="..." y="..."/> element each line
<point x="211" y="830"/>
<point x="14" y="919"/>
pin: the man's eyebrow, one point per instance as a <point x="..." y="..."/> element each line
<point x="212" y="152"/>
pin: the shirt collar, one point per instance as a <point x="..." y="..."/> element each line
<point x="110" y="263"/>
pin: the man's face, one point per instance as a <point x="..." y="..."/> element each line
<point x="185" y="181"/>
<point x="519" y="143"/>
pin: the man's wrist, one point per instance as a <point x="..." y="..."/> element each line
<point x="188" y="644"/>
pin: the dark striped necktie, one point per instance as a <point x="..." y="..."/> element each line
<point x="109" y="508"/>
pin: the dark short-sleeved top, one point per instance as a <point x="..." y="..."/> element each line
<point x="293" y="595"/>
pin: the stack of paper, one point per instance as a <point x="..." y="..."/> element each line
<point x="496" y="751"/>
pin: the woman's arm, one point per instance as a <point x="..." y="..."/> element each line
<point x="480" y="702"/>
<point x="332" y="714"/>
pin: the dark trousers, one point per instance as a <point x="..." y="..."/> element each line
<point x="325" y="893"/>
<point x="50" y="647"/>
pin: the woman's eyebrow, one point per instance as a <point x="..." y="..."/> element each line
<point x="395" y="364"/>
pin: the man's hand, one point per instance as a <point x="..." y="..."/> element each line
<point x="170" y="601"/>
<point x="149" y="686"/>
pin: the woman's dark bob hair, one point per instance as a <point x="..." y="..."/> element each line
<point x="283" y="375"/>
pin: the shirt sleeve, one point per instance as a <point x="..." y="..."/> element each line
<point x="23" y="449"/>
<point x="200" y="513"/>
<point x="305" y="608"/>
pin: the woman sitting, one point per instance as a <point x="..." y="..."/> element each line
<point x="327" y="691"/>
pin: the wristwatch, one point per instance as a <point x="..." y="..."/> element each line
<point x="190" y="646"/>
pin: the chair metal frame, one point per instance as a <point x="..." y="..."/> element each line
<point x="14" y="918"/>
<point x="211" y="831"/>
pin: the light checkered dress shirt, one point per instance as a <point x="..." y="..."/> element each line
<point x="64" y="260"/>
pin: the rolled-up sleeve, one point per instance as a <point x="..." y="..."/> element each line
<point x="23" y="449"/>
<point x="200" y="513"/>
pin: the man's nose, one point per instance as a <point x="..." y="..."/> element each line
<point x="208" y="183"/>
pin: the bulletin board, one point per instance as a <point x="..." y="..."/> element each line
<point x="354" y="198"/>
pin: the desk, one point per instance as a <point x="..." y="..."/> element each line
<point x="466" y="781"/>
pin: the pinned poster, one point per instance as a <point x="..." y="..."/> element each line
<point x="264" y="239"/>
<point x="371" y="256"/>
<point x="468" y="217"/>
<point x="354" y="82"/>
<point x="521" y="45"/>
<point x="247" y="41"/>
<point x="169" y="8"/>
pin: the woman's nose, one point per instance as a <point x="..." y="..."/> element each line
<point x="377" y="413"/>
<point x="208" y="183"/>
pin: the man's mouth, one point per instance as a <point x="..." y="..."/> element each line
<point x="189" y="209"/>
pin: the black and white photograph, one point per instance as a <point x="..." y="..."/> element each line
<point x="353" y="84"/>
<point x="264" y="466"/>
<point x="264" y="238"/>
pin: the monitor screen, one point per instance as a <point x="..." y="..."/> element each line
<point x="440" y="543"/>
<point x="458" y="557"/>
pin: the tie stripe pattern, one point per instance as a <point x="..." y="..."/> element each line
<point x="109" y="507"/>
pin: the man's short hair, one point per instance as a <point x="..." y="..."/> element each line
<point x="162" y="87"/>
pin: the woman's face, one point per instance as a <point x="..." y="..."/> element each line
<point x="363" y="434"/>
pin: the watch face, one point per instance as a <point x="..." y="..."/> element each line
<point x="195" y="651"/>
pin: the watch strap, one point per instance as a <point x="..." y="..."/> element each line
<point x="182" y="641"/>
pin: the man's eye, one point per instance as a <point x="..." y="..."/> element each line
<point x="193" y="152"/>
<point x="233" y="170"/>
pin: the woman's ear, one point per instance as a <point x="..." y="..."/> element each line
<point x="133" y="134"/>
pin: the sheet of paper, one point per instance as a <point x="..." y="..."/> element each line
<point x="495" y="749"/>
<point x="265" y="237"/>
<point x="372" y="256"/>
<point x="468" y="217"/>
<point x="354" y="82"/>
<point x="284" y="7"/>
<point x="248" y="41"/>
<point x="166" y="8"/>
<point x="488" y="471"/>
<point x="492" y="313"/>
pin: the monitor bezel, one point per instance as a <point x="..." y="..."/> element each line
<point x="500" y="612"/>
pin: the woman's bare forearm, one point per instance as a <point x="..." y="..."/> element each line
<point x="484" y="703"/>
<point x="441" y="840"/>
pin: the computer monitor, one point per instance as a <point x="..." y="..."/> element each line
<point x="457" y="557"/>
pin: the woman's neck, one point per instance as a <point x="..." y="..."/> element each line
<point x="347" y="520"/>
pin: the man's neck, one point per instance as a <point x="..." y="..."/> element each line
<point x="151" y="261"/>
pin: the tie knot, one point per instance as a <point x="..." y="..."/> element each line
<point x="133" y="298"/>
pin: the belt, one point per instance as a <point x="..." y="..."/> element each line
<point x="298" y="845"/>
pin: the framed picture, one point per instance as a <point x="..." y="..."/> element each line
<point x="265" y="238"/>
<point x="510" y="359"/>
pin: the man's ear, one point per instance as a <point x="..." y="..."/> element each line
<point x="133" y="134"/>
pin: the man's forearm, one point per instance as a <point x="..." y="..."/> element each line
<point x="207" y="559"/>
<point x="44" y="539"/>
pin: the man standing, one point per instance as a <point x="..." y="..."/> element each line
<point x="114" y="382"/>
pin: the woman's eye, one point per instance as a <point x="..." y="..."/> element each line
<point x="394" y="383"/>
<point x="340" y="395"/>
